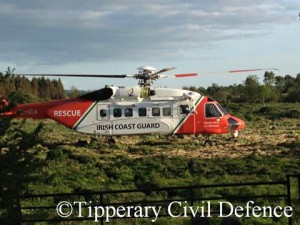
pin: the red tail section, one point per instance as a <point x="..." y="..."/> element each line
<point x="35" y="110"/>
<point x="70" y="113"/>
<point x="67" y="112"/>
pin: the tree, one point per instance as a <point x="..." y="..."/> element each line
<point x="293" y="96"/>
<point x="269" y="94"/>
<point x="57" y="90"/>
<point x="269" y="78"/>
<point x="35" y="86"/>
<point x="252" y="92"/>
<point x="9" y="72"/>
<point x="21" y="89"/>
<point x="74" y="92"/>
<point x="297" y="80"/>
<point x="279" y="83"/>
<point x="289" y="83"/>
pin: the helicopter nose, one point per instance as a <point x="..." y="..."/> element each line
<point x="235" y="123"/>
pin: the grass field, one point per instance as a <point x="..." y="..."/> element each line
<point x="40" y="157"/>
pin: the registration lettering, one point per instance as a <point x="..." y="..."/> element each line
<point x="67" y="113"/>
<point x="32" y="111"/>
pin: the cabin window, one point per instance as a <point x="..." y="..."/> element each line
<point x="184" y="109"/>
<point x="167" y="111"/>
<point x="155" y="111"/>
<point x="142" y="112"/>
<point x="128" y="112"/>
<point x="211" y="110"/>
<point x="117" y="112"/>
<point x="103" y="113"/>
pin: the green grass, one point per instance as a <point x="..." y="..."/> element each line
<point x="39" y="157"/>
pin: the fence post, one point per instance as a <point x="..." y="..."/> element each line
<point x="101" y="203"/>
<point x="298" y="176"/>
<point x="289" y="197"/>
<point x="191" y="199"/>
<point x="18" y="211"/>
<point x="192" y="196"/>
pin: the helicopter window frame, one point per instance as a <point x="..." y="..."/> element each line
<point x="212" y="111"/>
<point x="184" y="109"/>
<point x="167" y="111"/>
<point x="128" y="112"/>
<point x="117" y="112"/>
<point x="155" y="111"/>
<point x="142" y="111"/>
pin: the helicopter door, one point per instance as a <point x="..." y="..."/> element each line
<point x="103" y="112"/>
<point x="212" y="122"/>
<point x="188" y="127"/>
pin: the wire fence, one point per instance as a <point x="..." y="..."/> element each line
<point x="274" y="200"/>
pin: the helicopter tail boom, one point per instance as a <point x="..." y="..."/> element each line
<point x="32" y="110"/>
<point x="8" y="114"/>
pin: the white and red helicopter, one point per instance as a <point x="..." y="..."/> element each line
<point x="134" y="110"/>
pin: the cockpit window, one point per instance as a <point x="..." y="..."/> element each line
<point x="222" y="109"/>
<point x="211" y="110"/>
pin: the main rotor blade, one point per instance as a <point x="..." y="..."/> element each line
<point x="163" y="70"/>
<point x="180" y="75"/>
<point x="240" y="71"/>
<point x="186" y="75"/>
<point x="75" y="75"/>
<point x="250" y="70"/>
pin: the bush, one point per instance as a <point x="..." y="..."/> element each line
<point x="18" y="97"/>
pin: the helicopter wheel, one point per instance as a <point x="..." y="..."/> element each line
<point x="111" y="141"/>
<point x="180" y="136"/>
<point x="235" y="134"/>
<point x="207" y="143"/>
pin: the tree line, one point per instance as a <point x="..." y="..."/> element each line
<point x="19" y="89"/>
<point x="273" y="89"/>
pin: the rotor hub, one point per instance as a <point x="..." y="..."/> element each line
<point x="144" y="75"/>
<point x="146" y="69"/>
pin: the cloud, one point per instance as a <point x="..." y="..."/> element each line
<point x="62" y="32"/>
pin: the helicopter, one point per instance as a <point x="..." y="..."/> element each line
<point x="135" y="110"/>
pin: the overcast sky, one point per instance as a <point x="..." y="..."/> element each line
<point x="116" y="37"/>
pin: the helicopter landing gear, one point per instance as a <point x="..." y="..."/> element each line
<point x="111" y="141"/>
<point x="208" y="142"/>
<point x="235" y="134"/>
<point x="180" y="136"/>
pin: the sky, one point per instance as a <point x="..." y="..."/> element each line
<point x="116" y="37"/>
